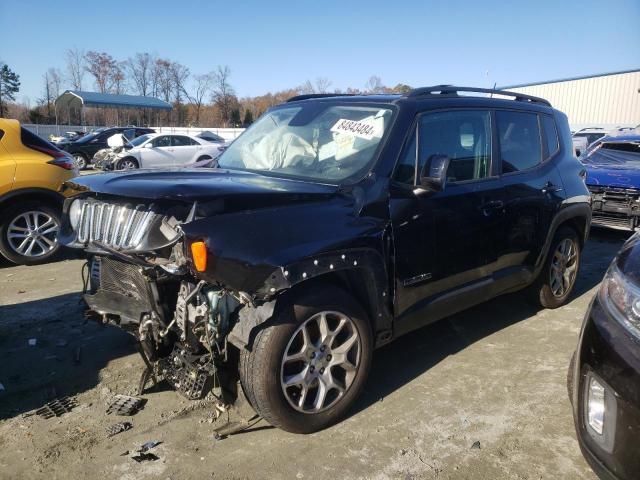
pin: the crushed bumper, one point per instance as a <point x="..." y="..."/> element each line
<point x="617" y="208"/>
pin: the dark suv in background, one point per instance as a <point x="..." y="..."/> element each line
<point x="87" y="146"/>
<point x="331" y="226"/>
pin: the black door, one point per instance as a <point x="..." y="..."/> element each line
<point x="533" y="187"/>
<point x="448" y="240"/>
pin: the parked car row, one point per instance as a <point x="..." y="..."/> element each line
<point x="84" y="148"/>
<point x="161" y="150"/>
<point x="117" y="148"/>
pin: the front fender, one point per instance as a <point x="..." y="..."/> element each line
<point x="250" y="251"/>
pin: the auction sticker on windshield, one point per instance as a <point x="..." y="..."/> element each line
<point x="361" y="129"/>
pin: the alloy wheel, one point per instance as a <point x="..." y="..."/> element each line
<point x="564" y="267"/>
<point x="79" y="161"/>
<point x="320" y="362"/>
<point x="33" y="233"/>
<point x="127" y="165"/>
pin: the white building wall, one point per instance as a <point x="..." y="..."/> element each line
<point x="608" y="100"/>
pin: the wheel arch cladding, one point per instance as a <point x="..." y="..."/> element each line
<point x="576" y="217"/>
<point x="359" y="272"/>
<point x="48" y="197"/>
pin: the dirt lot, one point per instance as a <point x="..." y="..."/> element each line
<point x="494" y="375"/>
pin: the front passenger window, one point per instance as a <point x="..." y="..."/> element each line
<point x="462" y="135"/>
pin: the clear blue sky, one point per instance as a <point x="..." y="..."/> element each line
<point x="272" y="45"/>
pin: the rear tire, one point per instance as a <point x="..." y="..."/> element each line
<point x="555" y="283"/>
<point x="29" y="233"/>
<point x="80" y="160"/>
<point x="300" y="389"/>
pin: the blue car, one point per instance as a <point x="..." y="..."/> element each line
<point x="613" y="178"/>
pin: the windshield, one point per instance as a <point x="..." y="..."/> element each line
<point x="320" y="141"/>
<point x="136" y="142"/>
<point x="90" y="136"/>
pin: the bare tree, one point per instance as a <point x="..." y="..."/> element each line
<point x="102" y="66"/>
<point x="374" y="85"/>
<point x="118" y="78"/>
<point x="202" y="87"/>
<point x="55" y="81"/>
<point x="140" y="69"/>
<point x="162" y="81"/>
<point x="179" y="75"/>
<point x="223" y="92"/>
<point x="321" y="85"/>
<point x="75" y="67"/>
<point x="48" y="88"/>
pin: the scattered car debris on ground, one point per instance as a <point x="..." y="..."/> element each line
<point x="125" y="405"/>
<point x="57" y="407"/>
<point x="149" y="445"/>
<point x="145" y="457"/>
<point x="118" y="428"/>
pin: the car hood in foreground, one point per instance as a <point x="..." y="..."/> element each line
<point x="198" y="184"/>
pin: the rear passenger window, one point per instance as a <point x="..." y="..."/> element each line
<point x="550" y="134"/>
<point x="462" y="135"/>
<point x="519" y="136"/>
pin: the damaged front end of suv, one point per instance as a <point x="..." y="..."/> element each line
<point x="140" y="277"/>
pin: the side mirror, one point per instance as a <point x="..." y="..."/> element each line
<point x="433" y="176"/>
<point x="148" y="145"/>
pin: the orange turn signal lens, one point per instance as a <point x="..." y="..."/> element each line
<point x="199" y="254"/>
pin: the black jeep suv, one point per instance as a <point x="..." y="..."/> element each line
<point x="84" y="148"/>
<point x="333" y="225"/>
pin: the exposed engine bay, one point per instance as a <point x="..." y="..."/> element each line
<point x="182" y="326"/>
<point x="138" y="278"/>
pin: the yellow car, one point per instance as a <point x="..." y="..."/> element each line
<point x="32" y="173"/>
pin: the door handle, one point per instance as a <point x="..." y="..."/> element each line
<point x="488" y="207"/>
<point x="550" y="188"/>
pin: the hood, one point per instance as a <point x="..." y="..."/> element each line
<point x="608" y="176"/>
<point x="201" y="184"/>
<point x="613" y="168"/>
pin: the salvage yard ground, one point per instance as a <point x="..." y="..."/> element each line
<point x="493" y="376"/>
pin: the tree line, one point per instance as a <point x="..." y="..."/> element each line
<point x="198" y="99"/>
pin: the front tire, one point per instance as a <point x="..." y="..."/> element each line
<point x="127" y="163"/>
<point x="29" y="233"/>
<point x="306" y="369"/>
<point x="558" y="276"/>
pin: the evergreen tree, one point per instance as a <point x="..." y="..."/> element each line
<point x="9" y="86"/>
<point x="235" y="117"/>
<point x="248" y="118"/>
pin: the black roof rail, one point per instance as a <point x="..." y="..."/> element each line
<point x="453" y="90"/>
<point x="306" y="96"/>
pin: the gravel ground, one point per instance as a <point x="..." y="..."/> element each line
<point x="493" y="376"/>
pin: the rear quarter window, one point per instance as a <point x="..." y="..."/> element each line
<point x="550" y="134"/>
